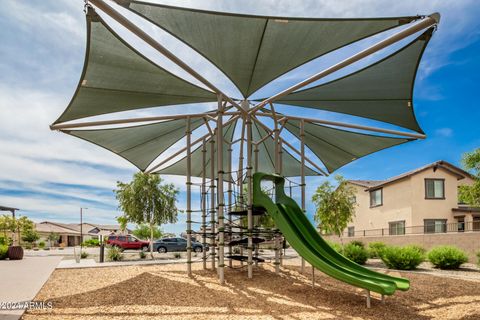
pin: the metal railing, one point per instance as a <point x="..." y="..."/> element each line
<point x="439" y="228"/>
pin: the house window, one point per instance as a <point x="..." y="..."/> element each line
<point x="376" y="198"/>
<point x="351" y="231"/>
<point x="435" y="225"/>
<point x="396" y="228"/>
<point x="434" y="189"/>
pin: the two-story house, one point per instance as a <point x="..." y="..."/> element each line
<point x="424" y="200"/>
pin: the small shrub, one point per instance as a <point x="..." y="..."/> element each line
<point x="177" y="255"/>
<point x="355" y="252"/>
<point x="46" y="248"/>
<point x="91" y="243"/>
<point x="336" y="246"/>
<point x="84" y="255"/>
<point x="419" y="248"/>
<point x="114" y="254"/>
<point x="3" y="251"/>
<point x="375" y="249"/>
<point x="478" y="257"/>
<point x="41" y="244"/>
<point x="28" y="246"/>
<point x="447" y="257"/>
<point x="236" y="250"/>
<point x="60" y="248"/>
<point x="35" y="249"/>
<point x="142" y="255"/>
<point x="5" y="241"/>
<point x="403" y="258"/>
<point x="357" y="243"/>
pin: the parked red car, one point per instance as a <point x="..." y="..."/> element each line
<point x="128" y="243"/>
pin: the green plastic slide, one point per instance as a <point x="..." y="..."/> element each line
<point x="303" y="237"/>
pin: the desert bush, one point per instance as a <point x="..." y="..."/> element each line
<point x="84" y="255"/>
<point x="46" y="248"/>
<point x="91" y="243"/>
<point x="41" y="244"/>
<point x="355" y="252"/>
<point x="357" y="243"/>
<point x="177" y="255"/>
<point x="114" y="254"/>
<point x="478" y="257"/>
<point x="142" y="255"/>
<point x="403" y="258"/>
<point x="3" y="251"/>
<point x="336" y="246"/>
<point x="375" y="249"/>
<point x="447" y="257"/>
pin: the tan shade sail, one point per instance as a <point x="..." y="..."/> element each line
<point x="382" y="91"/>
<point x="337" y="147"/>
<point x="116" y="77"/>
<point x="253" y="50"/>
<point x="140" y="145"/>
<point x="291" y="166"/>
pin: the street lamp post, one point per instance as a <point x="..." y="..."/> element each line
<point x="81" y="228"/>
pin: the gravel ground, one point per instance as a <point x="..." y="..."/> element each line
<point x="165" y="292"/>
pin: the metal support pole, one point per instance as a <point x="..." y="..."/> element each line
<point x="230" y="202"/>
<point x="204" y="203"/>
<point x="250" y="196"/>
<point x="220" y="195"/>
<point x="212" y="201"/>
<point x="302" y="173"/>
<point x="277" y="171"/>
<point x="189" y="198"/>
<point x="255" y="151"/>
<point x="240" y="177"/>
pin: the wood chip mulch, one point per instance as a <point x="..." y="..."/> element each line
<point x="166" y="292"/>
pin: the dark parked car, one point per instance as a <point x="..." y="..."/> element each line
<point x="175" y="244"/>
<point x="127" y="242"/>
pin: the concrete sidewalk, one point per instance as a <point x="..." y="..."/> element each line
<point x="22" y="279"/>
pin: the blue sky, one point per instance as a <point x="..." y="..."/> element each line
<point x="50" y="175"/>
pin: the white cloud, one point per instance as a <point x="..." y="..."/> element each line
<point x="444" y="132"/>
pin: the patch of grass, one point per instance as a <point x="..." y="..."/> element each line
<point x="403" y="258"/>
<point x="447" y="257"/>
<point x="84" y="255"/>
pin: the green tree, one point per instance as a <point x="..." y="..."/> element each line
<point x="52" y="237"/>
<point x="334" y="206"/>
<point x="146" y="200"/>
<point x="122" y="221"/>
<point x="30" y="236"/>
<point x="471" y="194"/>
<point x="22" y="225"/>
<point x="142" y="231"/>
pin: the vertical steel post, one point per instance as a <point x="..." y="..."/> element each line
<point x="241" y="159"/>
<point x="230" y="201"/>
<point x="204" y="202"/>
<point x="277" y="171"/>
<point x="255" y="151"/>
<point x="302" y="173"/>
<point x="250" y="196"/>
<point x="212" y="201"/>
<point x="189" y="197"/>
<point x="220" y="195"/>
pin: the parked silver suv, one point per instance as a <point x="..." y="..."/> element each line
<point x="175" y="244"/>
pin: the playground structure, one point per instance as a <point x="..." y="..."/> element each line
<point x="230" y="146"/>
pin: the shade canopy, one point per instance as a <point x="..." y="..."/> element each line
<point x="382" y="91"/>
<point x="253" y="50"/>
<point x="291" y="166"/>
<point x="336" y="147"/>
<point x="116" y="77"/>
<point x="140" y="145"/>
<point x="180" y="167"/>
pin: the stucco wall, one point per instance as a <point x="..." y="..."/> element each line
<point x="468" y="241"/>
<point x="433" y="208"/>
